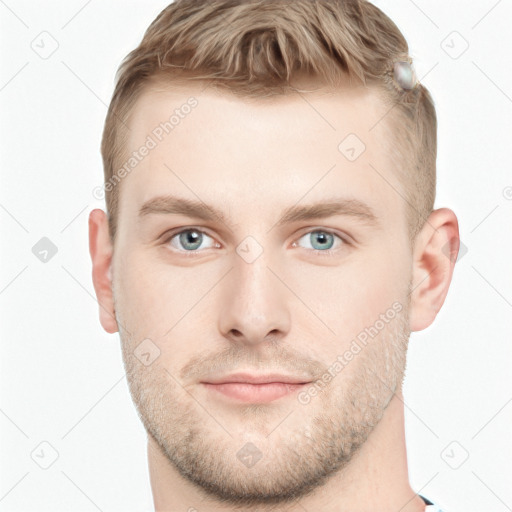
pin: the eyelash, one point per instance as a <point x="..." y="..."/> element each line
<point x="317" y="252"/>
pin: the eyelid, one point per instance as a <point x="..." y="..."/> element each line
<point x="344" y="237"/>
<point x="325" y="253"/>
<point x="169" y="235"/>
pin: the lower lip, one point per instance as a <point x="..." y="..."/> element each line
<point x="256" y="393"/>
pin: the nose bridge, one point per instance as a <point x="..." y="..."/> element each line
<point x="254" y="302"/>
<point x="257" y="285"/>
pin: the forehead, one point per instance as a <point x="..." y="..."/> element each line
<point x="275" y="151"/>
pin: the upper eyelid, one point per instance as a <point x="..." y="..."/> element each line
<point x="344" y="238"/>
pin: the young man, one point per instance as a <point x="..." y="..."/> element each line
<point x="270" y="245"/>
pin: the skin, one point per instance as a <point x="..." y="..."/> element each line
<point x="291" y="310"/>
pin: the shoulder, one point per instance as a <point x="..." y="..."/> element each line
<point x="431" y="506"/>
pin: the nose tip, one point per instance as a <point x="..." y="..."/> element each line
<point x="254" y="305"/>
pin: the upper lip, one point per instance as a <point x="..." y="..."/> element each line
<point x="252" y="378"/>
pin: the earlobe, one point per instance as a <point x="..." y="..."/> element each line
<point x="101" y="251"/>
<point x="434" y="256"/>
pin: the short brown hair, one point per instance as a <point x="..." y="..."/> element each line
<point x="255" y="47"/>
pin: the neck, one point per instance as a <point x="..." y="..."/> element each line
<point x="376" y="479"/>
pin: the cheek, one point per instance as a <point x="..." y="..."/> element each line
<point x="140" y="296"/>
<point x="350" y="297"/>
<point x="158" y="299"/>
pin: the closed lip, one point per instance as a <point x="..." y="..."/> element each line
<point x="257" y="379"/>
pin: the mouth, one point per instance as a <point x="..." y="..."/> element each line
<point x="244" y="387"/>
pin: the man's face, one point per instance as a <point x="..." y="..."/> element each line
<point x="251" y="294"/>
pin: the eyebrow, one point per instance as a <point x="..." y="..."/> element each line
<point x="172" y="205"/>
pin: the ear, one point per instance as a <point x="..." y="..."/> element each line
<point x="101" y="250"/>
<point x="434" y="256"/>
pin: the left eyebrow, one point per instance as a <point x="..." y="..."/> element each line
<point x="336" y="206"/>
<point x="173" y="205"/>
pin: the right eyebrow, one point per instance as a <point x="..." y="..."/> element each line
<point x="172" y="205"/>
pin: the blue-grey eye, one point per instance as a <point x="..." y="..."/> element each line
<point x="190" y="240"/>
<point x="320" y="240"/>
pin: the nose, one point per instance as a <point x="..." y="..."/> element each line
<point x="254" y="304"/>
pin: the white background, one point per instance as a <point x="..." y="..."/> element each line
<point x="62" y="378"/>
